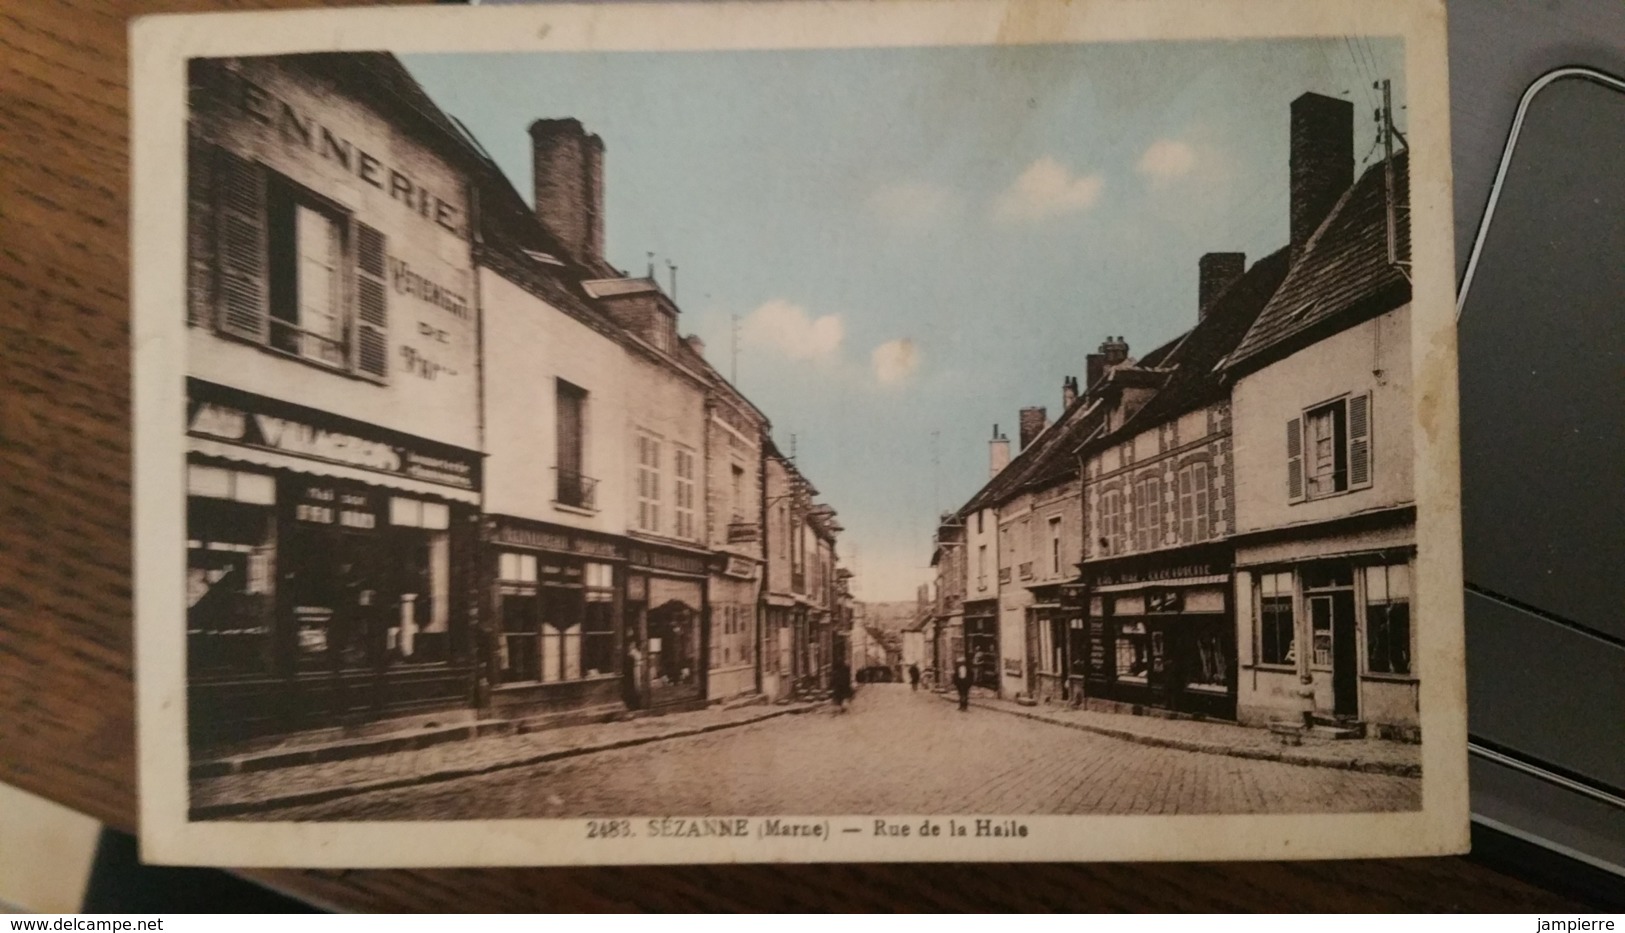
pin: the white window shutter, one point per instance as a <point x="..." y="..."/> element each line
<point x="1360" y="441"/>
<point x="371" y="303"/>
<point x="1294" y="460"/>
<point x="244" y="280"/>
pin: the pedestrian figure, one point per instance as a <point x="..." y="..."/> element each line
<point x="841" y="686"/>
<point x="962" y="684"/>
<point x="913" y="677"/>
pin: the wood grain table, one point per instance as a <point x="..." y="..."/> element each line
<point x="66" y="697"/>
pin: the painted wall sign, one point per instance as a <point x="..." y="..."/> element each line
<point x="227" y="423"/>
<point x="742" y="567"/>
<point x="563" y="542"/>
<point x="304" y="130"/>
<point x="1155" y="574"/>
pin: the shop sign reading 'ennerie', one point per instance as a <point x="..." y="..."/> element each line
<point x="252" y="429"/>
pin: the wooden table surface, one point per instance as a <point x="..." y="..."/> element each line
<point x="66" y="699"/>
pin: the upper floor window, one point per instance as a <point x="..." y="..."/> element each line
<point x="298" y="273"/>
<point x="648" y="484"/>
<point x="1328" y="449"/>
<point x="981" y="564"/>
<point x="739" y="505"/>
<point x="1055" y="544"/>
<point x="1193" y="501"/>
<point x="683" y="501"/>
<point x="574" y="487"/>
<point x="1111" y="521"/>
<point x="1147" y="513"/>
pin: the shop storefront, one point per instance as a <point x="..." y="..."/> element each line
<point x="329" y="569"/>
<point x="1160" y="632"/>
<point x="1057" y="636"/>
<point x="733" y="591"/>
<point x="981" y="644"/>
<point x="1338" y="612"/>
<point x="665" y="615"/>
<point x="556" y="643"/>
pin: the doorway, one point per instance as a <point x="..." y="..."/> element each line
<point x="1331" y="619"/>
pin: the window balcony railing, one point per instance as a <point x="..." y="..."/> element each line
<point x="576" y="491"/>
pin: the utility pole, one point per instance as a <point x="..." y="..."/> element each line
<point x="1386" y="131"/>
<point x="936" y="493"/>
<point x="673" y="267"/>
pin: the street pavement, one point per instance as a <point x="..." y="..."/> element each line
<point x="894" y="751"/>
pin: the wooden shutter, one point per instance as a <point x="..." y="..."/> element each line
<point x="244" y="283"/>
<point x="1359" y="441"/>
<point x="371" y="303"/>
<point x="1294" y="460"/>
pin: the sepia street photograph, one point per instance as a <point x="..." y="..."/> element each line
<point x="996" y="430"/>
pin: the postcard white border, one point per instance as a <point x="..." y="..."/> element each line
<point x="160" y="47"/>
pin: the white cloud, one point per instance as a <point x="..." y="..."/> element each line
<point x="913" y="207"/>
<point x="1166" y="160"/>
<point x="1047" y="189"/>
<point x="895" y="361"/>
<point x="789" y="329"/>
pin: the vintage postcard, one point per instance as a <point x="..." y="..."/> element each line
<point x="679" y="432"/>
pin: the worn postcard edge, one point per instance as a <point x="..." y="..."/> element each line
<point x="160" y="47"/>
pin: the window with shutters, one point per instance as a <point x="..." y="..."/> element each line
<point x="683" y="501"/>
<point x="648" y="484"/>
<point x="1329" y="449"/>
<point x="1147" y="513"/>
<point x="297" y="273"/>
<point x="1111" y="521"/>
<point x="1193" y="504"/>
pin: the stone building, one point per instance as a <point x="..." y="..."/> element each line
<point x="1324" y="415"/>
<point x="333" y="413"/>
<point x="1154" y="625"/>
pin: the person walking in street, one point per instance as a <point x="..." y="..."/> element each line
<point x="913" y="677"/>
<point x="962" y="684"/>
<point x="841" y="686"/>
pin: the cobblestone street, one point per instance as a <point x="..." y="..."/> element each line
<point x="894" y="752"/>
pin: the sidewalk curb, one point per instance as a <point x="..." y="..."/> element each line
<point x="215" y="811"/>
<point x="1210" y="748"/>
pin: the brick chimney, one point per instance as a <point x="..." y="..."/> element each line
<point x="1322" y="161"/>
<point x="696" y="344"/>
<point x="1094" y="369"/>
<point x="1114" y="350"/>
<point x="1069" y="392"/>
<point x="998" y="453"/>
<point x="1215" y="273"/>
<point x="567" y="165"/>
<point x="1033" y="422"/>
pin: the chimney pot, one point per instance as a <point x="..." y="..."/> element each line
<point x="1114" y="351"/>
<point x="1322" y="162"/>
<point x="1069" y="392"/>
<point x="1215" y="273"/>
<point x="998" y="453"/>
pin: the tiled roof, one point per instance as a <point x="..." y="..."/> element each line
<point x="1194" y="380"/>
<point x="1343" y="276"/>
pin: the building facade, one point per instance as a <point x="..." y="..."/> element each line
<point x="1325" y="542"/>
<point x="333" y="420"/>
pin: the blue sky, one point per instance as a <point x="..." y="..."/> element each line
<point x="919" y="242"/>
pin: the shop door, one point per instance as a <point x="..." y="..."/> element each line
<point x="1345" y="656"/>
<point x="1331" y="618"/>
